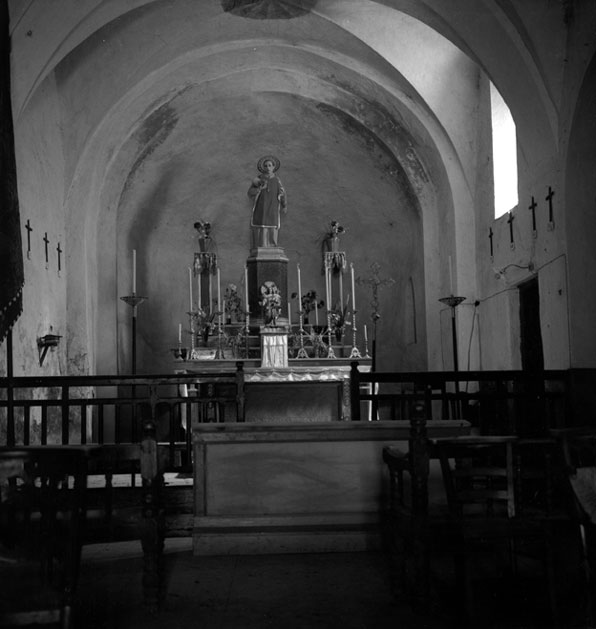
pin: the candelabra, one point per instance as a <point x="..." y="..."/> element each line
<point x="301" y="332"/>
<point x="220" y="351"/>
<point x="330" y="352"/>
<point x="134" y="301"/>
<point x="355" y="353"/>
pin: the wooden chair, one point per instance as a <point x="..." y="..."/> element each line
<point x="41" y="513"/>
<point x="578" y="450"/>
<point x="481" y="482"/>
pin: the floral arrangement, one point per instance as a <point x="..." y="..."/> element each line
<point x="233" y="303"/>
<point x="309" y="302"/>
<point x="339" y="317"/>
<point x="203" y="323"/>
<point x="270" y="302"/>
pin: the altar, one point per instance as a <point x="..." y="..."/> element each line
<point x="306" y="391"/>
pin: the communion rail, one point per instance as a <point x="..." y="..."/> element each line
<point x="494" y="402"/>
<point x="63" y="410"/>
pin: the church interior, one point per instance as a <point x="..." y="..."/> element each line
<point x="433" y="226"/>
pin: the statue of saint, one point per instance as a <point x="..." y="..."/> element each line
<point x="269" y="199"/>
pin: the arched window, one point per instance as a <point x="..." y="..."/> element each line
<point x="504" y="154"/>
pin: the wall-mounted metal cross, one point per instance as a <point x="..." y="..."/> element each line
<point x="375" y="283"/>
<point x="549" y="198"/>
<point x="46" y="240"/>
<point x="59" y="250"/>
<point x="490" y="237"/>
<point x="29" y="230"/>
<point x="510" y="223"/>
<point x="532" y="207"/>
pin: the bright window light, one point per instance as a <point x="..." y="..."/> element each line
<point x="504" y="154"/>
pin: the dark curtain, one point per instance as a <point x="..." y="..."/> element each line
<point x="11" y="256"/>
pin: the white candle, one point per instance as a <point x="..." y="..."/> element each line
<point x="327" y="287"/>
<point x="134" y="271"/>
<point x="199" y="291"/>
<point x="316" y="312"/>
<point x="299" y="288"/>
<point x="218" y="293"/>
<point x="365" y="334"/>
<point x="246" y="288"/>
<point x="190" y="287"/>
<point x="210" y="294"/>
<point x="450" y="276"/>
<point x="341" y="289"/>
<point x="179" y="333"/>
<point x="353" y="286"/>
<point x="290" y="313"/>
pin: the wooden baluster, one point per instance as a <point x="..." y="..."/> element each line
<point x="355" y="390"/>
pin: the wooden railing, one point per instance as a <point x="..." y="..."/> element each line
<point x="111" y="409"/>
<point x="495" y="402"/>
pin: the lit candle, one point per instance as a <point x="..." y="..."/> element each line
<point x="290" y="313"/>
<point x="179" y="333"/>
<point x="246" y="288"/>
<point x="190" y="287"/>
<point x="134" y="271"/>
<point x="353" y="286"/>
<point x="299" y="288"/>
<point x="450" y="276"/>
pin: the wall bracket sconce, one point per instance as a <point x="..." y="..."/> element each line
<point x="44" y="343"/>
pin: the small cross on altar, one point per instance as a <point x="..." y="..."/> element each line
<point x="532" y="207"/>
<point x="59" y="250"/>
<point x="549" y="198"/>
<point x="47" y="241"/>
<point x="375" y="283"/>
<point x="29" y="230"/>
<point x="510" y="223"/>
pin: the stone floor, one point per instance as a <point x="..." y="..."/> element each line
<point x="299" y="591"/>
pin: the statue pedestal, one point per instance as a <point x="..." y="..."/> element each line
<point x="274" y="347"/>
<point x="266" y="264"/>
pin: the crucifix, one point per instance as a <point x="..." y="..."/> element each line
<point x="549" y="198"/>
<point x="532" y="207"/>
<point x="510" y="223"/>
<point x="46" y="240"/>
<point x="490" y="237"/>
<point x="375" y="283"/>
<point x="29" y="230"/>
<point x="59" y="250"/>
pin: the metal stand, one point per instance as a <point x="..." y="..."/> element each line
<point x="453" y="303"/>
<point x="134" y="300"/>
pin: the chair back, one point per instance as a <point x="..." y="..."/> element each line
<point x="478" y="474"/>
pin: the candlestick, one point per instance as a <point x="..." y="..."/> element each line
<point x="219" y="295"/>
<point x="353" y="286"/>
<point x="190" y="287"/>
<point x="134" y="271"/>
<point x="179" y="333"/>
<point x="299" y="288"/>
<point x="246" y="288"/>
